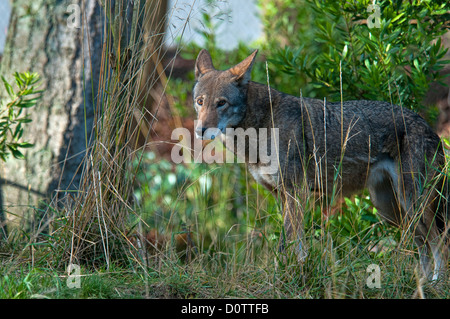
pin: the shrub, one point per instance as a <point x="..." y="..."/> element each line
<point x="340" y="49"/>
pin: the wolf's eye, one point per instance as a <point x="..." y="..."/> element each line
<point x="221" y="103"/>
<point x="199" y="101"/>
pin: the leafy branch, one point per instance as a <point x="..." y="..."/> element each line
<point x="12" y="117"/>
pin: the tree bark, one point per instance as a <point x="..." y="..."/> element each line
<point x="43" y="38"/>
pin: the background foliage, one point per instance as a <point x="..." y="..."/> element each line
<point x="394" y="61"/>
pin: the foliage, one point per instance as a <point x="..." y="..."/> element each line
<point x="12" y="118"/>
<point x="336" y="54"/>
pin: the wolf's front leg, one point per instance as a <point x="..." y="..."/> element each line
<point x="293" y="237"/>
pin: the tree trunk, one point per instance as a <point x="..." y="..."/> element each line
<point x="52" y="39"/>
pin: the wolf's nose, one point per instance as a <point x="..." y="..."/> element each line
<point x="200" y="130"/>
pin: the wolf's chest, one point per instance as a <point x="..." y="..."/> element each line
<point x="261" y="175"/>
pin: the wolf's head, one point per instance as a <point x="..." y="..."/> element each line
<point x="220" y="96"/>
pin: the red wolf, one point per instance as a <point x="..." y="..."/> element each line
<point x="334" y="149"/>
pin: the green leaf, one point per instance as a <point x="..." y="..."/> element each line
<point x="18" y="132"/>
<point x="344" y="51"/>
<point x="25" y="145"/>
<point x="17" y="154"/>
<point x="398" y="17"/>
<point x="26" y="104"/>
<point x="8" y="87"/>
<point x="24" y="120"/>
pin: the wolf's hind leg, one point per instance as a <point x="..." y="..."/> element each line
<point x="384" y="191"/>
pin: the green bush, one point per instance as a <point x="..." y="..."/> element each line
<point x="330" y="48"/>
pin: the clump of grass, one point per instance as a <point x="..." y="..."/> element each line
<point x="93" y="223"/>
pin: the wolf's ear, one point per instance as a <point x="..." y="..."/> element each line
<point x="243" y="70"/>
<point x="203" y="64"/>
